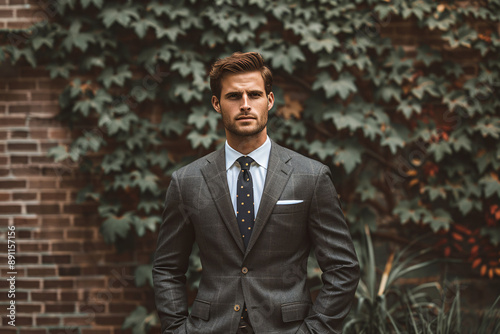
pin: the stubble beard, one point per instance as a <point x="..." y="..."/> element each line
<point x="231" y="126"/>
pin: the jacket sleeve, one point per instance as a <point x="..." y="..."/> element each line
<point x="171" y="261"/>
<point x="336" y="257"/>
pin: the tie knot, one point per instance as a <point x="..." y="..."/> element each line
<point x="245" y="162"/>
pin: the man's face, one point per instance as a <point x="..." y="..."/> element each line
<point x="243" y="104"/>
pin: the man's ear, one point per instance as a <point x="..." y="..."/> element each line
<point x="216" y="103"/>
<point x="270" y="101"/>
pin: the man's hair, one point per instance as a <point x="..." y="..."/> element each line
<point x="239" y="62"/>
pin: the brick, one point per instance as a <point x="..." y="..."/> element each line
<point x="5" y="197"/>
<point x="24" y="196"/>
<point x="24" y="234"/>
<point x="30" y="284"/>
<point x="59" y="283"/>
<point x="96" y="246"/>
<point x="109" y="320"/>
<point x="25" y="12"/>
<point x="43" y="209"/>
<point x="29" y="308"/>
<point x="59" y="308"/>
<point x="12" y="184"/>
<point x="10" y="97"/>
<point x="35" y="247"/>
<point x="8" y="13"/>
<point x="53" y="196"/>
<point x="32" y="331"/>
<point x="4" y="273"/>
<point x="47" y="321"/>
<point x="78" y="321"/>
<point x="24" y="222"/>
<point x="49" y="234"/>
<point x="22" y="147"/>
<point x="45" y="147"/>
<point x="43" y="296"/>
<point x="26" y="171"/>
<point x="42" y="272"/>
<point x="121" y="307"/>
<point x="69" y="271"/>
<point x="6" y="330"/>
<point x="95" y="331"/>
<point x="90" y="283"/>
<point x="64" y="330"/>
<point x="59" y="259"/>
<point x="38" y="134"/>
<point x="41" y="160"/>
<point x="58" y="84"/>
<point x="10" y="209"/>
<point x="20" y="321"/>
<point x="27" y="259"/>
<point x="20" y="295"/>
<point x="79" y="208"/>
<point x="37" y="96"/>
<point x="59" y="133"/>
<point x="83" y="234"/>
<point x="92" y="308"/>
<point x="22" y="85"/>
<point x="53" y="222"/>
<point x="10" y="122"/>
<point x="66" y="247"/>
<point x="19" y="160"/>
<point x="69" y="296"/>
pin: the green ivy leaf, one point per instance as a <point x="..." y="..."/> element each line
<point x="122" y="15"/>
<point x="349" y="156"/>
<point x="463" y="36"/>
<point x="439" y="219"/>
<point x="144" y="274"/>
<point x="78" y="39"/>
<point x="136" y="320"/>
<point x="343" y="86"/>
<point x="108" y="76"/>
<point x="322" y="149"/>
<point x="114" y="227"/>
<point x="202" y="116"/>
<point x="407" y="107"/>
<point x="97" y="3"/>
<point x="141" y="224"/>
<point x="491" y="185"/>
<point x="427" y="55"/>
<point x="206" y="140"/>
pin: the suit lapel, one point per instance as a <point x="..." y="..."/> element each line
<point x="215" y="176"/>
<point x="278" y="173"/>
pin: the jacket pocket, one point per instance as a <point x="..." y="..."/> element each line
<point x="200" y="309"/>
<point x="295" y="311"/>
<point x="288" y="208"/>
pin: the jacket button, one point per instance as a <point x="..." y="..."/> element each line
<point x="244" y="270"/>
<point x="236" y="307"/>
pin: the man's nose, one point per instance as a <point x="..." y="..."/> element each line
<point x="244" y="103"/>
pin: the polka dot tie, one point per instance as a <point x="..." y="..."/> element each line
<point x="244" y="199"/>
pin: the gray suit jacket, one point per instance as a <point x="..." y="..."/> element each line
<point x="269" y="277"/>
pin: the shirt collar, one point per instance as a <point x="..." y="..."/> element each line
<point x="260" y="154"/>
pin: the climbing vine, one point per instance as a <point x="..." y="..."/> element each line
<point x="410" y="128"/>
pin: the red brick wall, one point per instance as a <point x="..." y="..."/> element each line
<point x="68" y="280"/>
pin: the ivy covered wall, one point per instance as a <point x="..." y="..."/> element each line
<point x="399" y="98"/>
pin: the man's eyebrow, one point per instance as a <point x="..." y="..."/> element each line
<point x="253" y="91"/>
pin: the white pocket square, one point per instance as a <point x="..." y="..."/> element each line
<point x="289" y="201"/>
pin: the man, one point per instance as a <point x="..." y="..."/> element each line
<point x="255" y="209"/>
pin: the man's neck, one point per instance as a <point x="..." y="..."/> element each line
<point x="246" y="144"/>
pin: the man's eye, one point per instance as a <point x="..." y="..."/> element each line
<point x="254" y="94"/>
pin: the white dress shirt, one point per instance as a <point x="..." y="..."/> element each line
<point x="258" y="170"/>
